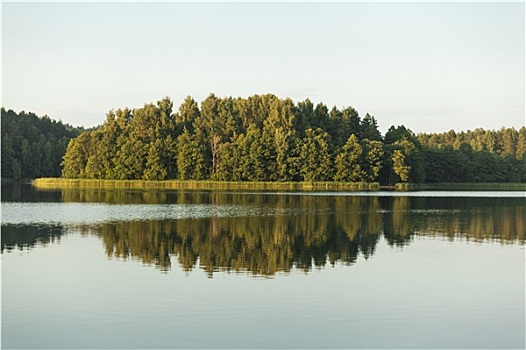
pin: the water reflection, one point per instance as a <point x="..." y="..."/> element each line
<point x="21" y="237"/>
<point x="266" y="233"/>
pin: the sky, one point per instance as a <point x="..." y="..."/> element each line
<point x="432" y="67"/>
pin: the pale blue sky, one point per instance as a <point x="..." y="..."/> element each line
<point x="429" y="66"/>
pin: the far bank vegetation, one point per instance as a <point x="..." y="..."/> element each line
<point x="263" y="138"/>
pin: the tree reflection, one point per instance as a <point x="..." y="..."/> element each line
<point x="328" y="230"/>
<point x="21" y="237"/>
<point x="260" y="245"/>
<point x="284" y="231"/>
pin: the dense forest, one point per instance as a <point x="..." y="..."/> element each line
<point x="259" y="138"/>
<point x="33" y="146"/>
<point x="475" y="156"/>
<point x="265" y="138"/>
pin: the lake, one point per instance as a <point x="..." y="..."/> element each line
<point x="237" y="269"/>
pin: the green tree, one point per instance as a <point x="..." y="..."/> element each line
<point x="305" y="115"/>
<point x="372" y="159"/>
<point x="131" y="157"/>
<point x="229" y="168"/>
<point x="521" y="143"/>
<point x="8" y="157"/>
<point x="155" y="169"/>
<point x="399" y="133"/>
<point x="47" y="157"/>
<point x="347" y="162"/>
<point x="190" y="157"/>
<point x="288" y="158"/>
<point x="76" y="157"/>
<point x="187" y="115"/>
<point x="215" y="126"/>
<point x="344" y="124"/>
<point x="400" y="158"/>
<point x="260" y="156"/>
<point x="315" y="156"/>
<point x="399" y="165"/>
<point x="369" y="129"/>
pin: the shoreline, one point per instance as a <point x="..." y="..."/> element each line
<point x="50" y="183"/>
<point x="57" y="183"/>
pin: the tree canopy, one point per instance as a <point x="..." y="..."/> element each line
<point x="263" y="138"/>
<point x="33" y="146"/>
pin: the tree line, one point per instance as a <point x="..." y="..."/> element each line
<point x="266" y="138"/>
<point x="475" y="156"/>
<point x="261" y="138"/>
<point x="33" y="146"/>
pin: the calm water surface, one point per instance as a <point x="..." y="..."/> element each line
<point x="212" y="269"/>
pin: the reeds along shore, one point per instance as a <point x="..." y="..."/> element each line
<point x="206" y="185"/>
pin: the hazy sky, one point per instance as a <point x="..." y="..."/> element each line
<point x="429" y="66"/>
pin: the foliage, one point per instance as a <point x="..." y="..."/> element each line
<point x="503" y="142"/>
<point x="347" y="163"/>
<point x="265" y="138"/>
<point x="33" y="146"/>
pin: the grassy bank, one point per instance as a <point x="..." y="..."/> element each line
<point x="54" y="183"/>
<point x="51" y="183"/>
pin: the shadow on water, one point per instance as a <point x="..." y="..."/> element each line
<point x="301" y="232"/>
